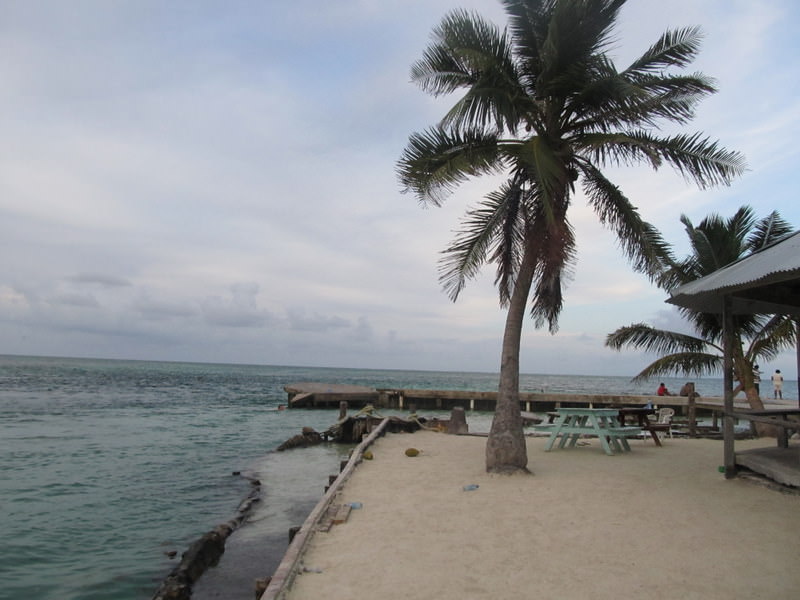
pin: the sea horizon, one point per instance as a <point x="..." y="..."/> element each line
<point x="339" y="368"/>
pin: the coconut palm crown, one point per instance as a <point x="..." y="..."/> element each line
<point x="543" y="106"/>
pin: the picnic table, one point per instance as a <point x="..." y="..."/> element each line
<point x="571" y="423"/>
<point x="643" y="420"/>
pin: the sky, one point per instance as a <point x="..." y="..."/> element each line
<point x="215" y="182"/>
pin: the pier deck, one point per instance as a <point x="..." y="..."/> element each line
<point x="323" y="395"/>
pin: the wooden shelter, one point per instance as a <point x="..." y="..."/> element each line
<point x="766" y="282"/>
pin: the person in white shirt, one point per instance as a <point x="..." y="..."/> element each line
<point x="777" y="384"/>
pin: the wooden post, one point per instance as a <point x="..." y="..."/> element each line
<point x="342" y="410"/>
<point x="458" y="421"/>
<point x="727" y="346"/>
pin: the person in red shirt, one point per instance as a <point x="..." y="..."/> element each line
<point x="663" y="391"/>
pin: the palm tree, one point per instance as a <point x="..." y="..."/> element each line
<point x="545" y="107"/>
<point x="715" y="242"/>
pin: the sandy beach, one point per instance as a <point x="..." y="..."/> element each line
<point x="652" y="523"/>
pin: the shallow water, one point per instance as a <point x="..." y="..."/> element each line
<point x="107" y="466"/>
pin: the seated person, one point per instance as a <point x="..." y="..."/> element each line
<point x="662" y="391"/>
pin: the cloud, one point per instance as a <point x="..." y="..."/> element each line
<point x="240" y="310"/>
<point x="219" y="183"/>
<point x="158" y="310"/>
<point x="77" y="300"/>
<point x="300" y="321"/>
<point x="109" y="281"/>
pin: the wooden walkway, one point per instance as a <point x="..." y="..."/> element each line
<point x="324" y="395"/>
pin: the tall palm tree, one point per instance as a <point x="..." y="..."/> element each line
<point x="544" y="106"/>
<point x="715" y="242"/>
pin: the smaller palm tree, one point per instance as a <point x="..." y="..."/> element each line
<point x="715" y="242"/>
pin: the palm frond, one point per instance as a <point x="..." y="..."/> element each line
<point x="641" y="336"/>
<point x="676" y="48"/>
<point x="436" y="161"/>
<point x="510" y="246"/>
<point x="699" y="159"/>
<point x="552" y="242"/>
<point x="617" y="148"/>
<point x="692" y="156"/>
<point x="611" y="102"/>
<point x="687" y="363"/>
<point x="472" y="53"/>
<point x="768" y="230"/>
<point x="668" y="98"/>
<point x="495" y="223"/>
<point x="775" y="336"/>
<point x="641" y="243"/>
<point x="675" y="273"/>
<point x="463" y="47"/>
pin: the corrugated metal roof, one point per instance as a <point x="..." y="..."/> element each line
<point x="767" y="282"/>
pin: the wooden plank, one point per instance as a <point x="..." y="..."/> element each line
<point x="625" y="431"/>
<point x="342" y="514"/>
<point x="786" y="423"/>
<point x="779" y="464"/>
<point x="300" y="399"/>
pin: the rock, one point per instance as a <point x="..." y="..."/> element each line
<point x="308" y="437"/>
<point x="412" y="452"/>
<point x="261" y="586"/>
<point x="202" y="554"/>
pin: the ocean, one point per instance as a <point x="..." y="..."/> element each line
<point x="107" y="467"/>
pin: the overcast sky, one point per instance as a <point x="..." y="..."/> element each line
<point x="215" y="182"/>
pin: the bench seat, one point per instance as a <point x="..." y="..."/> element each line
<point x="625" y="431"/>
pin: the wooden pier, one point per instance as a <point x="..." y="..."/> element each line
<point x="323" y="395"/>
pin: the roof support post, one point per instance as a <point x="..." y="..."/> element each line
<point x="797" y="343"/>
<point x="727" y="367"/>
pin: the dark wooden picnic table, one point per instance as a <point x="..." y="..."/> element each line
<point x="643" y="419"/>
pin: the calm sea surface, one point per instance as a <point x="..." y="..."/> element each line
<point x="106" y="466"/>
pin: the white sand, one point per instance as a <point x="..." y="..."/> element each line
<point x="652" y="523"/>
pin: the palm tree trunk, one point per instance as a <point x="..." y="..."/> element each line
<point x="505" y="449"/>
<point x="744" y="370"/>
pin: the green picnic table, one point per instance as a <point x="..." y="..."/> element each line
<point x="572" y="423"/>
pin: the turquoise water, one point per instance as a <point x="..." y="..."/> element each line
<point x="107" y="465"/>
